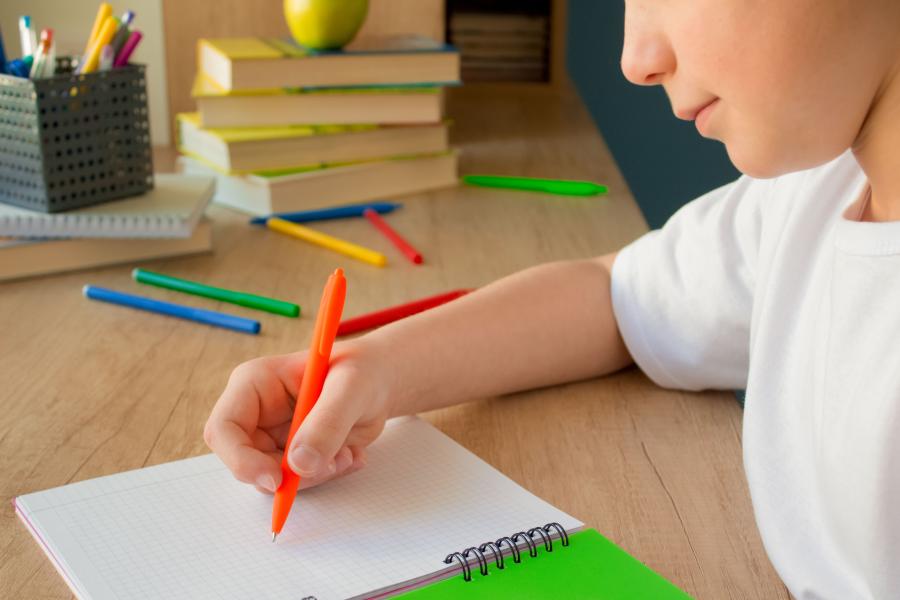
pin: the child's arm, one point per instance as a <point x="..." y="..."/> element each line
<point x="546" y="325"/>
<point x="542" y="326"/>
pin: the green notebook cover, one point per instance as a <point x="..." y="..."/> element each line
<point x="590" y="567"/>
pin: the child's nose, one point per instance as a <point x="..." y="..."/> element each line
<point x="647" y="57"/>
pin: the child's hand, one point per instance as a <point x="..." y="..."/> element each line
<point x="249" y="424"/>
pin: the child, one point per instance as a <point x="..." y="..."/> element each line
<point x="786" y="282"/>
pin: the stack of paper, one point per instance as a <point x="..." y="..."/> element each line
<point x="166" y="221"/>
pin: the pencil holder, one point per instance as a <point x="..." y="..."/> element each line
<point x="71" y="140"/>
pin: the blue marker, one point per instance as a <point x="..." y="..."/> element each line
<point x="199" y="315"/>
<point x="20" y="67"/>
<point x="2" y="55"/>
<point x="336" y="212"/>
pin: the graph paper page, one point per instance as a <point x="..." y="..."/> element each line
<point x="188" y="529"/>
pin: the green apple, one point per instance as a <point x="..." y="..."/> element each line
<point x="325" y="24"/>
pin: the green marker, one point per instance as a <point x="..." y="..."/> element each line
<point x="279" y="307"/>
<point x="548" y="186"/>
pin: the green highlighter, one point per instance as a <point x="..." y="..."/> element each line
<point x="548" y="186"/>
<point x="278" y="307"/>
<point x="590" y="567"/>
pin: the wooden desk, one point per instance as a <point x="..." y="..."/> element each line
<point x="88" y="389"/>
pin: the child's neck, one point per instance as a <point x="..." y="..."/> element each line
<point x="878" y="151"/>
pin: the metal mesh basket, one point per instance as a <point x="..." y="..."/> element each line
<point x="73" y="140"/>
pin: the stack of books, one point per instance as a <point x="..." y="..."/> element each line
<point x="284" y="128"/>
<point x="164" y="222"/>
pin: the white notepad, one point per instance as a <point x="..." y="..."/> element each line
<point x="188" y="530"/>
<point x="170" y="210"/>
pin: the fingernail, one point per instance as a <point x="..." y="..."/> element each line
<point x="266" y="482"/>
<point x="332" y="467"/>
<point x="305" y="460"/>
<point x="343" y="462"/>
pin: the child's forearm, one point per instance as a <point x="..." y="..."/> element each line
<point x="545" y="325"/>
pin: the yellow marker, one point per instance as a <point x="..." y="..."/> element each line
<point x="326" y="241"/>
<point x="104" y="11"/>
<point x="92" y="59"/>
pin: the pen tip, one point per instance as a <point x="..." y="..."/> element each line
<point x="274" y="535"/>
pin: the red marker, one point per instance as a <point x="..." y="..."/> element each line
<point x="411" y="253"/>
<point x="395" y="313"/>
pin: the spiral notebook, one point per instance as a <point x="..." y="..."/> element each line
<point x="170" y="210"/>
<point x="414" y="521"/>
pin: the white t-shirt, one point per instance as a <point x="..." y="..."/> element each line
<point x="774" y="285"/>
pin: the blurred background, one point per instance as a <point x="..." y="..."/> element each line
<point x="547" y="42"/>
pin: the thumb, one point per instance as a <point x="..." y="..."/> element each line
<point x="323" y="433"/>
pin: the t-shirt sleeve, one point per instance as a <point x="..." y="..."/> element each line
<point x="683" y="295"/>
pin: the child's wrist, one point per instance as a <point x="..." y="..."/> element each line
<point x="387" y="355"/>
<point x="374" y="354"/>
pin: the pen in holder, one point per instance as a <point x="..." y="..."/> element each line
<point x="73" y="140"/>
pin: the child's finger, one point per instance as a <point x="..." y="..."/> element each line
<point x="343" y="460"/>
<point x="263" y="440"/>
<point x="279" y="433"/>
<point x="254" y="396"/>
<point x="344" y="465"/>
<point x="324" y="430"/>
<point x="360" y="457"/>
<point x="275" y="455"/>
<point x="248" y="464"/>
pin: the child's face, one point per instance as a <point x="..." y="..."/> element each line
<point x="791" y="81"/>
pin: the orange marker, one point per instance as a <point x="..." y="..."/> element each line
<point x="327" y="321"/>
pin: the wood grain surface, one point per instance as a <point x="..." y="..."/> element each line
<point x="89" y="389"/>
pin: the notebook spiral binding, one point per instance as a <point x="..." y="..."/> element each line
<point x="496" y="548"/>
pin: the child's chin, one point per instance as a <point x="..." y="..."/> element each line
<point x="773" y="160"/>
<point x="761" y="163"/>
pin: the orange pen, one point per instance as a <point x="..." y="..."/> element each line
<point x="327" y="321"/>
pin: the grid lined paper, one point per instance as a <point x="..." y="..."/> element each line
<point x="187" y="529"/>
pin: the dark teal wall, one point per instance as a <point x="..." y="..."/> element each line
<point x="664" y="160"/>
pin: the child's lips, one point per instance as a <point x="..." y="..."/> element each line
<point x="703" y="115"/>
<point x="693" y="113"/>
